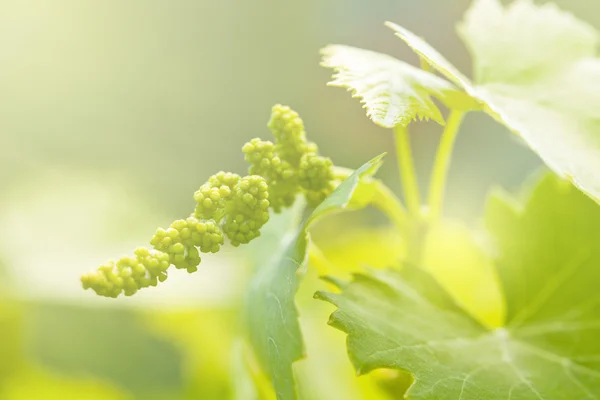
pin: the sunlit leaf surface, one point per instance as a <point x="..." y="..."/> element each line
<point x="536" y="70"/>
<point x="547" y="347"/>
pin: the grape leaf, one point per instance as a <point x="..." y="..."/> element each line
<point x="271" y="314"/>
<point x="393" y="92"/>
<point x="547" y="348"/>
<point x="536" y="70"/>
<point x="326" y="373"/>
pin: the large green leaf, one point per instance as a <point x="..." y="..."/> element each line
<point x="392" y="91"/>
<point x="548" y="347"/>
<point x="537" y="72"/>
<point x="272" y="317"/>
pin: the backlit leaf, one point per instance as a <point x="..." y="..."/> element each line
<point x="537" y="72"/>
<point x="547" y="347"/>
<point x="272" y="318"/>
<point x="392" y="91"/>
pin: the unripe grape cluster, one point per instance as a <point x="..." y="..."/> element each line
<point x="227" y="205"/>
<point x="292" y="164"/>
<point x="212" y="196"/>
<point x="249" y="210"/>
<point x="316" y="177"/>
<point x="290" y="136"/>
<point x="129" y="274"/>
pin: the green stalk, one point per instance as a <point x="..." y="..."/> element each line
<point x="407" y="170"/>
<point x="442" y="163"/>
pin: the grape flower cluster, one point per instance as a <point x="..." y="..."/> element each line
<point x="227" y="205"/>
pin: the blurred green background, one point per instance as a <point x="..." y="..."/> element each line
<point x="113" y="112"/>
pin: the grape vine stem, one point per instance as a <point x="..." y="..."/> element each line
<point x="442" y="163"/>
<point x="406" y="167"/>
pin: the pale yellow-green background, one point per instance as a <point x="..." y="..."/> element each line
<point x="113" y="112"/>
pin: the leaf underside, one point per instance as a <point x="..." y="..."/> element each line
<point x="393" y="92"/>
<point x="536" y="70"/>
